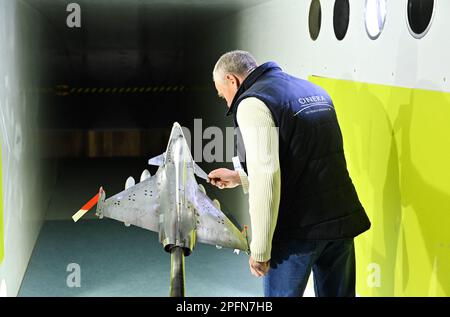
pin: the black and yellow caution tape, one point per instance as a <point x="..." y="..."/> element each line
<point x="66" y="90"/>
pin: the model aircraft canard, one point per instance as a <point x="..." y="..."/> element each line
<point x="172" y="203"/>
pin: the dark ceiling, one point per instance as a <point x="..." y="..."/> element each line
<point x="126" y="66"/>
<point x="126" y="41"/>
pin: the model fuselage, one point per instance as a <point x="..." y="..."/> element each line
<point x="177" y="180"/>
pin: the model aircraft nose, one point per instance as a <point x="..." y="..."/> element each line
<point x="177" y="130"/>
<point x="176" y="125"/>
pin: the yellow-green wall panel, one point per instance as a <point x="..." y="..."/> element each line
<point x="397" y="144"/>
<point x="2" y="252"/>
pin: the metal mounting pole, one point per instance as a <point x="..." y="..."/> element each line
<point x="176" y="272"/>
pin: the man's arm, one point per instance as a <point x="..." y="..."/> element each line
<point x="260" y="137"/>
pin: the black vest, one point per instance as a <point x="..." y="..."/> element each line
<point x="318" y="199"/>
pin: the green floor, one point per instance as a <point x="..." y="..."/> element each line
<point x="118" y="261"/>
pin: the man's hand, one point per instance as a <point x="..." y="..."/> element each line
<point x="258" y="269"/>
<point x="224" y="178"/>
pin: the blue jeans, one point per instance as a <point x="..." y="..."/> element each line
<point x="332" y="263"/>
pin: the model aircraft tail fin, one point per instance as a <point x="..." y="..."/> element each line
<point x="88" y="206"/>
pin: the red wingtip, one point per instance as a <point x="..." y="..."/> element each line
<point x="91" y="203"/>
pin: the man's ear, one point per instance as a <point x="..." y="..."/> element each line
<point x="233" y="80"/>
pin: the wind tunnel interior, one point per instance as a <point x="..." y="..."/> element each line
<point x="64" y="131"/>
<point x="118" y="83"/>
<point x="103" y="102"/>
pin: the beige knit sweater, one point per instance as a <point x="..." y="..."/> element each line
<point x="263" y="184"/>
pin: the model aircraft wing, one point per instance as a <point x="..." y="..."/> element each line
<point x="157" y="160"/>
<point x="137" y="205"/>
<point x="214" y="227"/>
<point x="200" y="173"/>
<point x="160" y="160"/>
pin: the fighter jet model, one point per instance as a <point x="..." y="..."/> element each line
<point x="172" y="203"/>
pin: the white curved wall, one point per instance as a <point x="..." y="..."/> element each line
<point x="279" y="29"/>
<point x="22" y="177"/>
